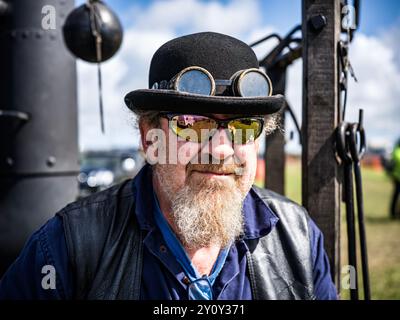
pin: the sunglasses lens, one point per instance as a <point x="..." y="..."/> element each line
<point x="254" y="84"/>
<point x="245" y="130"/>
<point x="195" y="81"/>
<point x="196" y="128"/>
<point x="192" y="127"/>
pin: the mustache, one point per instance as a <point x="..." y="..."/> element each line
<point x="216" y="168"/>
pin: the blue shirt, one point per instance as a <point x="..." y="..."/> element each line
<point x="163" y="276"/>
<point x="201" y="285"/>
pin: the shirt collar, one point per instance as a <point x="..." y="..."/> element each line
<point x="259" y="219"/>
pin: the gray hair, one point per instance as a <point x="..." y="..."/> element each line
<point x="150" y="117"/>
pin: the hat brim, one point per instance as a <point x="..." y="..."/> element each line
<point x="173" y="101"/>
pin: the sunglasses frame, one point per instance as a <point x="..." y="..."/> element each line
<point x="220" y="123"/>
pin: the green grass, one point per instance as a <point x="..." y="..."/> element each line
<point x="383" y="234"/>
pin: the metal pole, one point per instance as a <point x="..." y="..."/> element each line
<point x="275" y="143"/>
<point x="320" y="186"/>
<point x="38" y="123"/>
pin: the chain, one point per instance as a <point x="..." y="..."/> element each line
<point x="95" y="21"/>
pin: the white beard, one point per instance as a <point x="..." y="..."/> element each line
<point x="205" y="211"/>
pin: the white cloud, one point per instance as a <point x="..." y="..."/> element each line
<point x="378" y="87"/>
<point x="235" y="17"/>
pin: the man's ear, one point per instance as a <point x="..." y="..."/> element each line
<point x="144" y="128"/>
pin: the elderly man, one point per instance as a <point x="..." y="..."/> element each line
<point x="190" y="225"/>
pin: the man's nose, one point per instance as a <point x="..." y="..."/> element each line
<point x="220" y="145"/>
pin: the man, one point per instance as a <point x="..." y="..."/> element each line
<point x="189" y="225"/>
<point x="395" y="174"/>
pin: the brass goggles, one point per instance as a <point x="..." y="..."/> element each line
<point x="199" y="128"/>
<point x="197" y="80"/>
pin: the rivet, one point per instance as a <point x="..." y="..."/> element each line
<point x="51" y="161"/>
<point x="186" y="280"/>
<point x="163" y="249"/>
<point x="318" y="22"/>
<point x="9" y="161"/>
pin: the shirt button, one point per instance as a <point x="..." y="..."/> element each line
<point x="163" y="249"/>
<point x="186" y="280"/>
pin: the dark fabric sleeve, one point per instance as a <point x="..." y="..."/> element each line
<point x="324" y="288"/>
<point x="46" y="247"/>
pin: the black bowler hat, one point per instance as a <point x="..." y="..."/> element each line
<point x="222" y="56"/>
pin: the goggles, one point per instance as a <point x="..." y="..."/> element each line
<point x="197" y="80"/>
<point x="199" y="128"/>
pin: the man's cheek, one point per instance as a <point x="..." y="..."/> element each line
<point x="245" y="154"/>
<point x="248" y="156"/>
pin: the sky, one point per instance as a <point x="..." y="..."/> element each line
<point x="374" y="54"/>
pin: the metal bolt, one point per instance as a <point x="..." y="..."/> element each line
<point x="318" y="22"/>
<point x="51" y="161"/>
<point x="9" y="161"/>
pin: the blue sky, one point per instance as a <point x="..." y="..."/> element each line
<point x="376" y="15"/>
<point x="148" y="24"/>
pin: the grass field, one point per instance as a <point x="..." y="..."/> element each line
<point x="383" y="234"/>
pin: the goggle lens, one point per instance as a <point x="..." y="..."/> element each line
<point x="254" y="84"/>
<point x="195" y="81"/>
